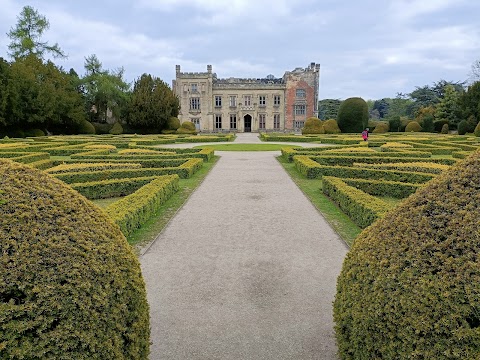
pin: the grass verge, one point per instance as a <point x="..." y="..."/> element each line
<point x="246" y="147"/>
<point x="312" y="188"/>
<point x="150" y="230"/>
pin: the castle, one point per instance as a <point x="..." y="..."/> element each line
<point x="247" y="105"/>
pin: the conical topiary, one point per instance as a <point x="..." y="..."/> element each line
<point x="70" y="285"/>
<point x="410" y="285"/>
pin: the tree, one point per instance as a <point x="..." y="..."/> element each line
<point x="26" y="36"/>
<point x="469" y="101"/>
<point x="382" y="106"/>
<point x="447" y="109"/>
<point x="353" y="115"/>
<point x="328" y="108"/>
<point x="4" y="75"/>
<point x="104" y="90"/>
<point x="152" y="104"/>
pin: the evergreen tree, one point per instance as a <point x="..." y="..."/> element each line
<point x="447" y="108"/>
<point x="152" y="104"/>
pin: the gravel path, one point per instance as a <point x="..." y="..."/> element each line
<point x="246" y="269"/>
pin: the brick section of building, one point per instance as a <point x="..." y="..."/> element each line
<point x="244" y="105"/>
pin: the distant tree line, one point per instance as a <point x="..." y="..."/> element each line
<point x="37" y="96"/>
<point x="445" y="102"/>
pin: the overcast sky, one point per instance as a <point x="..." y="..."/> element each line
<point x="372" y="48"/>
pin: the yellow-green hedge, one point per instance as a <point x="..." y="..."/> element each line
<point x="74" y="167"/>
<point x="134" y="210"/>
<point x="70" y="284"/>
<point x="410" y="285"/>
<point x="361" y="207"/>
<point x="395" y="189"/>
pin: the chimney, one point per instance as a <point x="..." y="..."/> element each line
<point x="209" y="69"/>
<point x="177" y="68"/>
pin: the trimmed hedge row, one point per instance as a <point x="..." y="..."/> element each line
<point x="25" y="157"/>
<point x="135" y="209"/>
<point x="350" y="160"/>
<point x="74" y="167"/>
<point x="111" y="188"/>
<point x="42" y="164"/>
<point x="361" y="207"/>
<point x="427" y="167"/>
<point x="152" y="163"/>
<point x="395" y="189"/>
<point x="312" y="170"/>
<point x="186" y="170"/>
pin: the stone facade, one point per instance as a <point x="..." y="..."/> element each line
<point x="247" y="105"/>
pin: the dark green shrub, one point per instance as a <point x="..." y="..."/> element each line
<point x="477" y="130"/>
<point x="86" y="127"/>
<point x="313" y="125"/>
<point x="353" y="115"/>
<point x="187" y="127"/>
<point x="410" y="285"/>
<point x="173" y="123"/>
<point x="101" y="128"/>
<point x="34" y="133"/>
<point x="428" y="125"/>
<point x="70" y="285"/>
<point x="462" y="127"/>
<point x="116" y="129"/>
<point x="331" y="127"/>
<point x="413" y="126"/>
<point x="438" y="124"/>
<point x="444" y="129"/>
<point x="395" y="124"/>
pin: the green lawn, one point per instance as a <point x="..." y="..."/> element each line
<point x="246" y="147"/>
<point x="312" y="188"/>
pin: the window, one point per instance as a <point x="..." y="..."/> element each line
<point x="218" y="101"/>
<point x="196" y="121"/>
<point x="298" y="124"/>
<point x="262" y="100"/>
<point x="300" y="110"/>
<point x="233" y="121"/>
<point x="218" y="121"/>
<point x="261" y="121"/>
<point x="233" y="101"/>
<point x="195" y="103"/>
<point x="194" y="87"/>
<point x="276" y="121"/>
<point x="276" y="100"/>
<point x="300" y="93"/>
<point x="247" y="100"/>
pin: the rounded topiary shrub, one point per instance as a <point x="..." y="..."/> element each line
<point x="116" y="129"/>
<point x="187" y="127"/>
<point x="173" y="123"/>
<point x="34" y="133"/>
<point x="353" y="115"/>
<point x="477" y="130"/>
<point x="313" y="125"/>
<point x="70" y="284"/>
<point x="331" y="127"/>
<point x="381" y="127"/>
<point x="410" y="285"/>
<point x="413" y="126"/>
<point x="462" y="127"/>
<point x="86" y="127"/>
<point x="444" y="129"/>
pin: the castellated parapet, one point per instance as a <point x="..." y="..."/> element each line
<point x="247" y="104"/>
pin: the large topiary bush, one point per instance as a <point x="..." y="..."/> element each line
<point x="116" y="129"/>
<point x="187" y="127"/>
<point x="70" y="285"/>
<point x="353" y="115"/>
<point x="86" y="127"/>
<point x="477" y="130"/>
<point x="462" y="127"/>
<point x="313" y="125"/>
<point x="381" y="127"/>
<point x="410" y="285"/>
<point x="331" y="127"/>
<point x="445" y="129"/>
<point x="413" y="126"/>
<point x="173" y="123"/>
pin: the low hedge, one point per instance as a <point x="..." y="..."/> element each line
<point x="361" y="207"/>
<point x="313" y="170"/>
<point x="67" y="168"/>
<point x="111" y="188"/>
<point x="25" y="157"/>
<point x="186" y="170"/>
<point x="42" y="164"/>
<point x="70" y="284"/>
<point x="427" y="167"/>
<point x="149" y="163"/>
<point x="134" y="210"/>
<point x="409" y="287"/>
<point x="395" y="189"/>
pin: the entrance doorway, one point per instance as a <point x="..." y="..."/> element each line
<point x="247" y="119"/>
